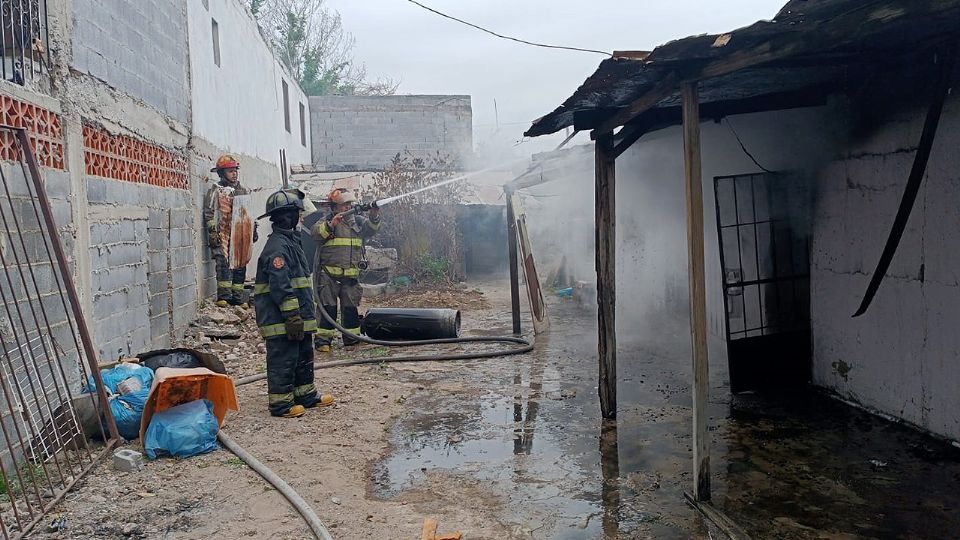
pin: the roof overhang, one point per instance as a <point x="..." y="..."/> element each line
<point x="807" y="51"/>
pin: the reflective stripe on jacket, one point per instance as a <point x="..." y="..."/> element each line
<point x="284" y="286"/>
<point x="340" y="248"/>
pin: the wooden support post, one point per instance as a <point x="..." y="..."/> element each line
<point x="698" y="298"/>
<point x="606" y="272"/>
<point x="512" y="252"/>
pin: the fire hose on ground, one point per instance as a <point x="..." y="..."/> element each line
<point x="525" y="347"/>
<point x="319" y="530"/>
<point x="307" y="513"/>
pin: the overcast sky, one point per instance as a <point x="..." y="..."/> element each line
<point x="432" y="55"/>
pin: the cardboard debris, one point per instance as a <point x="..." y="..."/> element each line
<point x="172" y="387"/>
<point x="429" y="531"/>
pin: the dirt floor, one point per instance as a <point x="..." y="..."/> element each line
<point x="513" y="448"/>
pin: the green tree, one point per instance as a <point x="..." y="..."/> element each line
<point x="311" y="40"/>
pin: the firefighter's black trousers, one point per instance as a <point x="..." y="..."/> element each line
<point x="330" y="291"/>
<point x="229" y="280"/>
<point x="290" y="373"/>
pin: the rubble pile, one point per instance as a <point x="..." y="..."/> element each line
<point x="231" y="334"/>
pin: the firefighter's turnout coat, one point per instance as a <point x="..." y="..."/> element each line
<point x="341" y="248"/>
<point x="283" y="286"/>
<point x="336" y="269"/>
<point x="218" y="212"/>
<point x="217" y="217"/>
<point x="283" y="290"/>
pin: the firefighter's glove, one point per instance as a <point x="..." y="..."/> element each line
<point x="213" y="235"/>
<point x="336" y="220"/>
<point x="294" y="327"/>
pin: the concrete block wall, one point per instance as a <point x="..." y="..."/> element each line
<point x="31" y="288"/>
<point x="366" y="132"/>
<point x="237" y="105"/>
<point x="123" y="67"/>
<point x="137" y="47"/>
<point x="903" y="356"/>
<point x="144" y="278"/>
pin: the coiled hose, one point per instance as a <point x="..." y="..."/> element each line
<point x="313" y="521"/>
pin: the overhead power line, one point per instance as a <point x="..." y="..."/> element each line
<point x="518" y="40"/>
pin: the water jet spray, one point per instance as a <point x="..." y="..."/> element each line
<point x="387" y="200"/>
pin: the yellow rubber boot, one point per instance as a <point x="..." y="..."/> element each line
<point x="326" y="400"/>
<point x="323" y="348"/>
<point x="294" y="412"/>
<point x="221" y="303"/>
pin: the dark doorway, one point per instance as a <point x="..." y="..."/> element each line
<point x="763" y="223"/>
<point x="484" y="239"/>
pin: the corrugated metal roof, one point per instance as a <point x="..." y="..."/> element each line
<point x="809" y="43"/>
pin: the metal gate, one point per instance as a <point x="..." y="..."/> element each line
<point x="51" y="393"/>
<point x="763" y="224"/>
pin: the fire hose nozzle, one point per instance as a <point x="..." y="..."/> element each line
<point x="365" y="207"/>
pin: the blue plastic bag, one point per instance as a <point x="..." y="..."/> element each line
<point x="127" y="410"/>
<point x="182" y="431"/>
<point x="114" y="376"/>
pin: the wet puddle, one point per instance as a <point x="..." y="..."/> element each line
<point x="531" y="429"/>
<point x="798" y="467"/>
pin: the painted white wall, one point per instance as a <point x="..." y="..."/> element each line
<point x="651" y="205"/>
<point x="903" y="356"/>
<point x="238" y="106"/>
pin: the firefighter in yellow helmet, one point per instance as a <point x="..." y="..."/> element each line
<point x="219" y="202"/>
<point x="336" y="268"/>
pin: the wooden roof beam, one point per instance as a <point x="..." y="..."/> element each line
<point x="667" y="86"/>
<point x="670" y="84"/>
<point x="631" y="55"/>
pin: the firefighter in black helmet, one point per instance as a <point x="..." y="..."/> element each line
<point x="283" y="299"/>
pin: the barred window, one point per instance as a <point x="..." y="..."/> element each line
<point x="24" y="41"/>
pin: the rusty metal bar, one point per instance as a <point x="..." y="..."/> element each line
<point x="60" y="287"/>
<point x="3" y="35"/>
<point x="28" y="40"/>
<point x="514" y="270"/>
<point x="73" y="330"/>
<point x="41" y="423"/>
<point x="18" y="42"/>
<point x="31" y="161"/>
<point x="22" y="349"/>
<point x="33" y="312"/>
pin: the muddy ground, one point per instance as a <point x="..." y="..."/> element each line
<point x="513" y="448"/>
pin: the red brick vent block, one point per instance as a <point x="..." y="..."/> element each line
<point x="124" y="158"/>
<point x="43" y="127"/>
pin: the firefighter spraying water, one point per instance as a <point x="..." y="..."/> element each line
<point x="339" y="260"/>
